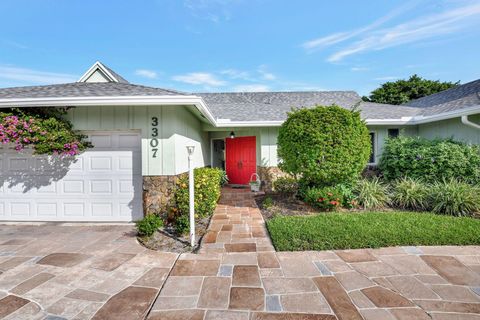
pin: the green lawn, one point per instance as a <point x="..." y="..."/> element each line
<point x="371" y="230"/>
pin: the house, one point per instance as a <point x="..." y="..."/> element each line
<point x="140" y="135"/>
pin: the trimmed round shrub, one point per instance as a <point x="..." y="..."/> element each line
<point x="148" y="225"/>
<point x="430" y="160"/>
<point x="372" y="193"/>
<point x="409" y="193"/>
<point x="324" y="146"/>
<point x="455" y="198"/>
<point x="207" y="191"/>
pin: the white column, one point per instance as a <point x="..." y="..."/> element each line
<point x="191" y="195"/>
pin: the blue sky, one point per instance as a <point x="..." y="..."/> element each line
<point x="241" y="45"/>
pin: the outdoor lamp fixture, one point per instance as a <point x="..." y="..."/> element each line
<point x="190" y="150"/>
<point x="232" y="135"/>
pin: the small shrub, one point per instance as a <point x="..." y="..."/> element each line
<point x="430" y="160"/>
<point x="409" y="193"/>
<point x="324" y="145"/>
<point x="148" y="225"/>
<point x="328" y="198"/>
<point x="267" y="203"/>
<point x="454" y="197"/>
<point x="223" y="178"/>
<point x="207" y="191"/>
<point x="371" y="193"/>
<point x="286" y="186"/>
<point x="182" y="224"/>
<point x="349" y="199"/>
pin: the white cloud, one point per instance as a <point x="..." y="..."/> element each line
<point x="338" y="37"/>
<point x="146" y="73"/>
<point x="200" y="78"/>
<point x="31" y="76"/>
<point x="359" y="69"/>
<point x="214" y="11"/>
<point x="262" y="70"/>
<point x="251" y="88"/>
<point x="419" y="29"/>
<point x="236" y="74"/>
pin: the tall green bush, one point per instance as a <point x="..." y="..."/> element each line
<point x="430" y="160"/>
<point x="324" y="146"/>
<point x="207" y="191"/>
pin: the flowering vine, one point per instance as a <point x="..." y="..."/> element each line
<point x="46" y="132"/>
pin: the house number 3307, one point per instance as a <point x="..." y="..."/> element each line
<point x="154" y="140"/>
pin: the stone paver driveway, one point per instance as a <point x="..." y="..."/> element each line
<point x="71" y="272"/>
<point x="101" y="272"/>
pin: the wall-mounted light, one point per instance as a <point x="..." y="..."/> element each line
<point x="232" y="135"/>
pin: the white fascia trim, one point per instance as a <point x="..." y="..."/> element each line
<point x="92" y="69"/>
<point x="224" y="123"/>
<point x="401" y="121"/>
<point x="447" y="115"/>
<point x="112" y="101"/>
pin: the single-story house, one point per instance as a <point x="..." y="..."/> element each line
<point x="140" y="135"/>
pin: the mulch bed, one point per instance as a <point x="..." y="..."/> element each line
<point x="284" y="206"/>
<point x="167" y="240"/>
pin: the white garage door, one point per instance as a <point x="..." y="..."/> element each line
<point x="102" y="184"/>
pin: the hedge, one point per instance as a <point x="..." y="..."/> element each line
<point x="430" y="160"/>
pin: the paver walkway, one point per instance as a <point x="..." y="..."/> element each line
<point x="63" y="272"/>
<point x="238" y="275"/>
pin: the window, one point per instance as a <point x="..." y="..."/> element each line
<point x="393" y="133"/>
<point x="372" y="152"/>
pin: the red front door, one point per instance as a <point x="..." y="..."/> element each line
<point x="241" y="160"/>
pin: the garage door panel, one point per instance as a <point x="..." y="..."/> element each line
<point x="102" y="209"/>
<point x="101" y="163"/>
<point x="74" y="209"/>
<point x="102" y="184"/>
<point x="73" y="186"/>
<point x="128" y="141"/>
<point x="101" y="140"/>
<point x="47" y="209"/>
<point x="21" y="209"/>
<point x="20" y="164"/>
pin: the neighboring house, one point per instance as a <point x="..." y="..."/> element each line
<point x="140" y="135"/>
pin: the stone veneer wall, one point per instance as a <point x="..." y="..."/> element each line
<point x="268" y="175"/>
<point x="158" y="193"/>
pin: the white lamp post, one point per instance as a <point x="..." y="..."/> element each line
<point x="191" y="199"/>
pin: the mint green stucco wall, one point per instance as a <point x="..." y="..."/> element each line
<point x="381" y="134"/>
<point x="452" y="128"/>
<point x="177" y="128"/>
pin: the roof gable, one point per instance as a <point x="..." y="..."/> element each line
<point x="98" y="72"/>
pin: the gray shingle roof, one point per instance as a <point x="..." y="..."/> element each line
<point x="116" y="75"/>
<point x="370" y="110"/>
<point x="84" y="89"/>
<point x="271" y="106"/>
<point x="457" y="98"/>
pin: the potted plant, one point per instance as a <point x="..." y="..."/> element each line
<point x="255" y="182"/>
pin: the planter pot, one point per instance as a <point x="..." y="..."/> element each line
<point x="255" y="184"/>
